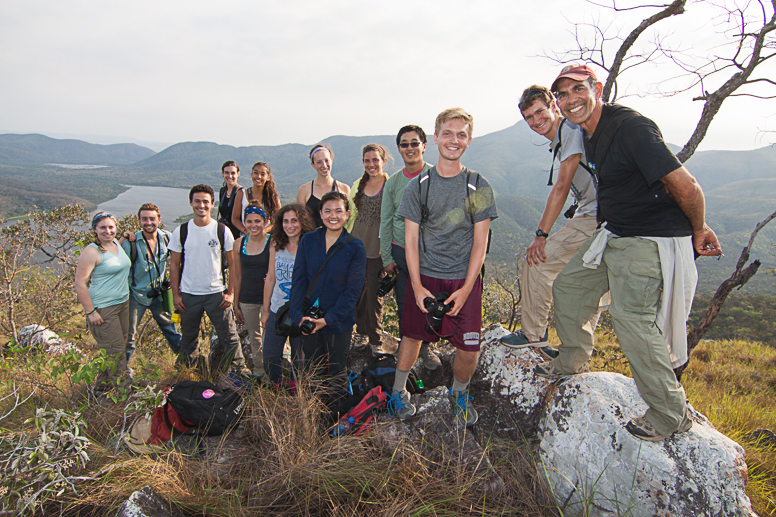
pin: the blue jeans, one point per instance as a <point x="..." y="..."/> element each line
<point x="136" y="311"/>
<point x="273" y="350"/>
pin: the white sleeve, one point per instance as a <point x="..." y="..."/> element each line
<point x="228" y="239"/>
<point x="175" y="240"/>
<point x="572" y="141"/>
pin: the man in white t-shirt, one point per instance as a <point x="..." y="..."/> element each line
<point x="547" y="256"/>
<point x="197" y="280"/>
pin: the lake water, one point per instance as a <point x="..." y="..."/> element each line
<point x="172" y="202"/>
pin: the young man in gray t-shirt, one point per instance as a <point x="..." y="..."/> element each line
<point x="547" y="255"/>
<point x="447" y="213"/>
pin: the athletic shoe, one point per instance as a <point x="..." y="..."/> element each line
<point x="520" y="340"/>
<point x="548" y="371"/>
<point x="547" y="352"/>
<point x="643" y="430"/>
<point x="399" y="405"/>
<point x="464" y="413"/>
<point x="431" y="361"/>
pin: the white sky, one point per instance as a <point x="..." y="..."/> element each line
<point x="272" y="72"/>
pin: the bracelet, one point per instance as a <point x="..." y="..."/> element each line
<point x="92" y="311"/>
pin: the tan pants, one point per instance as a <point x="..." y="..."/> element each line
<point x="369" y="309"/>
<point x="631" y="270"/>
<point x="252" y="315"/>
<point x="111" y="336"/>
<point x="537" y="279"/>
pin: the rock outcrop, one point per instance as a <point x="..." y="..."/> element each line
<point x="44" y="339"/>
<point x="147" y="503"/>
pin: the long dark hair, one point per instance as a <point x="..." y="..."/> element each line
<point x="384" y="155"/>
<point x="269" y="194"/>
<point x="279" y="237"/>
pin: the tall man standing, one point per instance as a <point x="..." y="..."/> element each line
<point x="197" y="280"/>
<point x="655" y="217"/>
<point x="147" y="275"/>
<point x="411" y="142"/>
<point x="447" y="212"/>
<point x="546" y="256"/>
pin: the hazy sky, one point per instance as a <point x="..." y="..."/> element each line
<point x="261" y="72"/>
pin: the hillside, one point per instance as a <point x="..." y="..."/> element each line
<point x="33" y="149"/>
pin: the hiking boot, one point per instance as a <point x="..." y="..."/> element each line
<point x="464" y="413"/>
<point x="399" y="405"/>
<point x="548" y="371"/>
<point x="520" y="340"/>
<point x="431" y="361"/>
<point x="643" y="430"/>
<point x="547" y="352"/>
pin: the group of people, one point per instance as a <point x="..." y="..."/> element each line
<point x="636" y="224"/>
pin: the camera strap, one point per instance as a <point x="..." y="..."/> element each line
<point x="457" y="326"/>
<point x="333" y="251"/>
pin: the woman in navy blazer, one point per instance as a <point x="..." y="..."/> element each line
<point x="335" y="294"/>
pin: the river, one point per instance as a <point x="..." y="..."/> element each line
<point x="172" y="202"/>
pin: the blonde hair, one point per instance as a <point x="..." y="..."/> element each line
<point x="454" y="114"/>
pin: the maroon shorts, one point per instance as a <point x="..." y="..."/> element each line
<point x="465" y="328"/>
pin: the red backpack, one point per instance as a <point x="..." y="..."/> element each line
<point x="360" y="419"/>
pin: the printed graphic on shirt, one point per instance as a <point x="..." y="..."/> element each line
<point x="213" y="243"/>
<point x="284" y="273"/>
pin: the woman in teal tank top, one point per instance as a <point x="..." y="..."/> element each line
<point x="102" y="286"/>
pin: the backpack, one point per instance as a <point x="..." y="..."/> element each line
<point x="425" y="214"/>
<point x="360" y="419"/>
<point x="210" y="409"/>
<point x="133" y="253"/>
<point x="382" y="372"/>
<point x="184" y="233"/>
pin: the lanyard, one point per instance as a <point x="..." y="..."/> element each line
<point x="153" y="257"/>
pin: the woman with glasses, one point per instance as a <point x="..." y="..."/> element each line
<point x="310" y="194"/>
<point x="366" y="197"/>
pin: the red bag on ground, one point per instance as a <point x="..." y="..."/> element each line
<point x="360" y="419"/>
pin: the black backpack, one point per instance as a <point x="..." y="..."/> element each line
<point x="382" y="372"/>
<point x="209" y="408"/>
<point x="184" y="232"/>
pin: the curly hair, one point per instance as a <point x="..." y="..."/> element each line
<point x="279" y="237"/>
<point x="384" y="155"/>
<point x="269" y="194"/>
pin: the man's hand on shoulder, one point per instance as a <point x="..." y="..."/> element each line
<point x="706" y="243"/>
<point x="535" y="252"/>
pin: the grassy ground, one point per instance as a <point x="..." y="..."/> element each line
<point x="290" y="468"/>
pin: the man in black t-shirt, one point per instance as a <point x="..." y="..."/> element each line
<point x="655" y="217"/>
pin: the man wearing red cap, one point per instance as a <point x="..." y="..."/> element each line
<point x="654" y="213"/>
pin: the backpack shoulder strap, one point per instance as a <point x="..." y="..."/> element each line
<point x="184" y="232"/>
<point x="132" y="260"/>
<point x="221" y="231"/>
<point x="249" y="195"/>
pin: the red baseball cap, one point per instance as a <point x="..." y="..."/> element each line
<point x="574" y="71"/>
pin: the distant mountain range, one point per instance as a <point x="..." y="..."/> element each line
<point x="39" y="150"/>
<point x="740" y="186"/>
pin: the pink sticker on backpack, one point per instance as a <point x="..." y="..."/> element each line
<point x="208" y="393"/>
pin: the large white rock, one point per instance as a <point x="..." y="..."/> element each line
<point x="44" y="339"/>
<point x="595" y="467"/>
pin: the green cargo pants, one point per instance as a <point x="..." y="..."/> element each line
<point x="630" y="270"/>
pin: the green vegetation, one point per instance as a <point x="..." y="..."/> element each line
<point x="743" y="317"/>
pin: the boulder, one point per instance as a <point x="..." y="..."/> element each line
<point x="44" y="339"/>
<point x="147" y="503"/>
<point x="596" y="467"/>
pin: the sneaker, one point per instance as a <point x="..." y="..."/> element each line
<point x="548" y="371"/>
<point x="464" y="414"/>
<point x="399" y="405"/>
<point x="520" y="340"/>
<point x="431" y="361"/>
<point x="547" y="352"/>
<point x="643" y="430"/>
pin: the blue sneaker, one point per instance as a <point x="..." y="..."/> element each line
<point x="518" y="339"/>
<point x="399" y="405"/>
<point x="464" y="413"/>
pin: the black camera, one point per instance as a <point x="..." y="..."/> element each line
<point x="314" y="312"/>
<point x="437" y="309"/>
<point x="386" y="284"/>
<point x="158" y="288"/>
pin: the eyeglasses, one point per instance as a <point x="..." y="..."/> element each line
<point x="414" y="144"/>
<point x="530" y="94"/>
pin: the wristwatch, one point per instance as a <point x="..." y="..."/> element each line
<point x="540" y="233"/>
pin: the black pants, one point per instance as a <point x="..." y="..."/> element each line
<point x="326" y="357"/>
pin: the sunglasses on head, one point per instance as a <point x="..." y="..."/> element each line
<point x="414" y="144"/>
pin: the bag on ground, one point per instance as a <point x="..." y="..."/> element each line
<point x="360" y="419"/>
